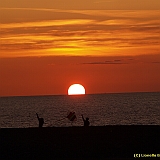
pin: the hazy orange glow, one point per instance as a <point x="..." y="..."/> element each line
<point x="109" y="46"/>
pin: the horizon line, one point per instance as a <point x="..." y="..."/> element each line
<point x="43" y="95"/>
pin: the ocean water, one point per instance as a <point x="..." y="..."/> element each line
<point x="102" y="109"/>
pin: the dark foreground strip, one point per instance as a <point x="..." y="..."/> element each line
<point x="79" y="142"/>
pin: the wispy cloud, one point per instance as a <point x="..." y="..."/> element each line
<point x="108" y="62"/>
<point x="103" y="33"/>
<point x="46" y="23"/>
<point x="140" y="59"/>
<point x="157" y="62"/>
<point x="85" y="4"/>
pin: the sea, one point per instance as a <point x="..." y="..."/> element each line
<point x="101" y="109"/>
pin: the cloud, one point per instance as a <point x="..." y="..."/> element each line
<point x="85" y="4"/>
<point x="124" y="60"/>
<point x="116" y="61"/>
<point x="108" y="33"/>
<point x="157" y="62"/>
<point x="47" y="23"/>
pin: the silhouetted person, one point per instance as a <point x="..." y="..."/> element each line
<point x="41" y="121"/>
<point x="86" y="121"/>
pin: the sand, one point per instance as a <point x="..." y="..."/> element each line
<point x="79" y="142"/>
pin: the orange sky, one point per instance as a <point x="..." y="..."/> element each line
<point x="106" y="46"/>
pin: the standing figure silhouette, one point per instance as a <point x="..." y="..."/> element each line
<point x="86" y="121"/>
<point x="41" y="121"/>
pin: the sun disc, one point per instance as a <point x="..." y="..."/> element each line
<point x="76" y="89"/>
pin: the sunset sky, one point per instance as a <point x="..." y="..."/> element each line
<point x="108" y="46"/>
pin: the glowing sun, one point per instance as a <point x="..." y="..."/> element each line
<point x="76" y="89"/>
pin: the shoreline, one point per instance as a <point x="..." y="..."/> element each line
<point x="94" y="142"/>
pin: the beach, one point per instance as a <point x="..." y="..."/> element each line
<point x="79" y="142"/>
